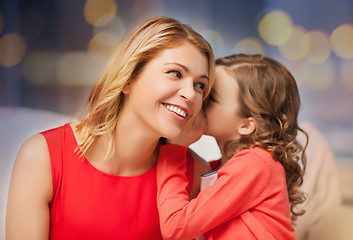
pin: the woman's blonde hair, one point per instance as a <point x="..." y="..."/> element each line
<point x="268" y="93"/>
<point x="128" y="60"/>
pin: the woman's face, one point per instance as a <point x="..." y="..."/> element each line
<point x="222" y="109"/>
<point x="169" y="91"/>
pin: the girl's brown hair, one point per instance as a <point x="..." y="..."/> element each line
<point x="128" y="60"/>
<point x="268" y="93"/>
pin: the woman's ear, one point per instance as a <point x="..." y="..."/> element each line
<point x="126" y="89"/>
<point x="247" y="127"/>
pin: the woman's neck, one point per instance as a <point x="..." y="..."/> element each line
<point x="136" y="150"/>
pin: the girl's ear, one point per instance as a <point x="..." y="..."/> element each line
<point x="247" y="127"/>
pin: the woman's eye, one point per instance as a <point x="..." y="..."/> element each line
<point x="200" y="85"/>
<point x="175" y="73"/>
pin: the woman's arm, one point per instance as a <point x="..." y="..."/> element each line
<point x="30" y="192"/>
<point x="241" y="185"/>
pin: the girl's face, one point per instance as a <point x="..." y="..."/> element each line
<point x="222" y="110"/>
<point x="169" y="91"/>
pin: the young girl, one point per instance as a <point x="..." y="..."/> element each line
<point x="252" y="113"/>
<point x="96" y="178"/>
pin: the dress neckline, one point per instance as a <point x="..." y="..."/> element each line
<point x="88" y="164"/>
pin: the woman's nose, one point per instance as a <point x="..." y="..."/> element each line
<point x="187" y="91"/>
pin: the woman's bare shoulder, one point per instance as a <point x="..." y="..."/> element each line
<point x="33" y="149"/>
<point x="32" y="166"/>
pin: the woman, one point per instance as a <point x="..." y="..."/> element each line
<point x="95" y="178"/>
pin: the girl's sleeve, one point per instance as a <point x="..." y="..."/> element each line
<point x="241" y="184"/>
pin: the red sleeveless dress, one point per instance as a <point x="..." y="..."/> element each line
<point x="90" y="204"/>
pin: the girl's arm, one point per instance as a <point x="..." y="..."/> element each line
<point x="192" y="132"/>
<point x="30" y="192"/>
<point x="241" y="185"/>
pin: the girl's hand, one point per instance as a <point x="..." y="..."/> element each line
<point x="192" y="130"/>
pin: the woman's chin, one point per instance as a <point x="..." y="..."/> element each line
<point x="172" y="135"/>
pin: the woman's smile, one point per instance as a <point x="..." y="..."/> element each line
<point x="181" y="112"/>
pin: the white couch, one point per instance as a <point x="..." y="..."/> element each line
<point x="325" y="219"/>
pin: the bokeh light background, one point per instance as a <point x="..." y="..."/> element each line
<point x="51" y="51"/>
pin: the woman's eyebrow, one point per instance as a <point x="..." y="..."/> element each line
<point x="205" y="76"/>
<point x="186" y="69"/>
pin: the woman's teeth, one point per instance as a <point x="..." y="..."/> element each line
<point x="176" y="110"/>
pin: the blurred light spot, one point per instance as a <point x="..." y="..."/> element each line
<point x="342" y="41"/>
<point x="250" y="46"/>
<point x="101" y="46"/>
<point x="76" y="69"/>
<point x="318" y="77"/>
<point x="100" y="12"/>
<point x="38" y="68"/>
<point x="319" y="48"/>
<point x="116" y="27"/>
<point x="143" y="9"/>
<point x="106" y="39"/>
<point x="297" y="45"/>
<point x="215" y="40"/>
<point x="32" y="24"/>
<point x="12" y="48"/>
<point x="2" y="23"/>
<point x="275" y="28"/>
<point x="346" y="72"/>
